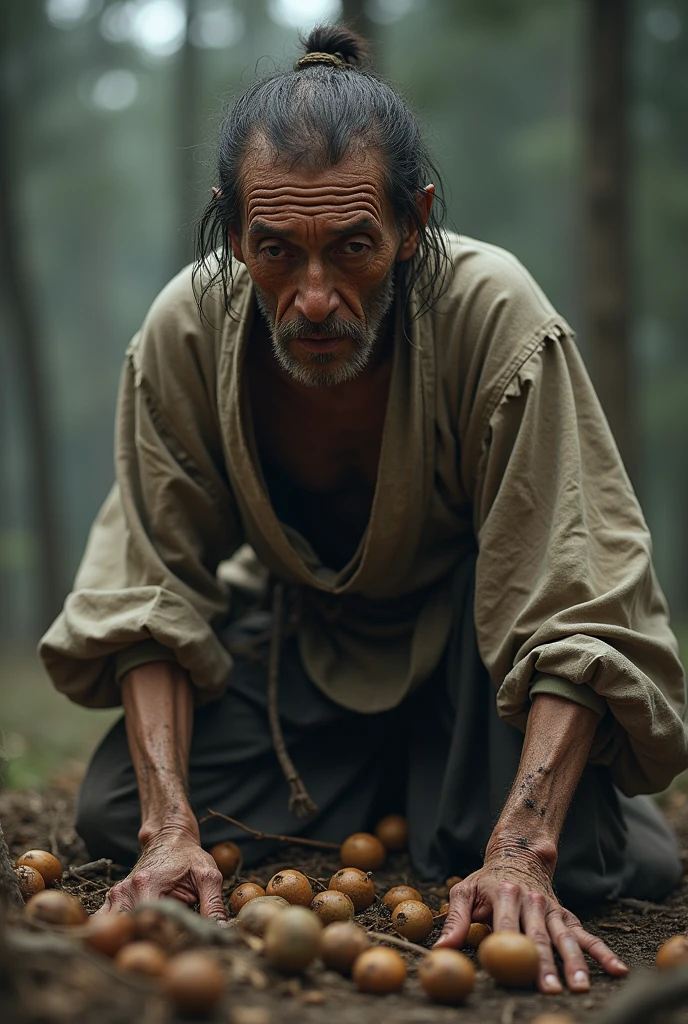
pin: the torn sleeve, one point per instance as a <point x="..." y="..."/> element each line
<point x="148" y="581"/>
<point x="565" y="587"/>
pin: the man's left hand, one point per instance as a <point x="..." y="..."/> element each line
<point x="513" y="892"/>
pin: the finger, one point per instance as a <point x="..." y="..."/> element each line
<point x="119" y="898"/>
<point x="598" y="950"/>
<point x="506" y="912"/>
<point x="535" y="927"/>
<point x="564" y="938"/>
<point x="459" y="916"/>
<point x="209" y="887"/>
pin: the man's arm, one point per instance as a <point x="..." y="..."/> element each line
<point x="158" y="708"/>
<point x="513" y="889"/>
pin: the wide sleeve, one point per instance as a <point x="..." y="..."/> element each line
<point x="565" y="586"/>
<point x="149" y="570"/>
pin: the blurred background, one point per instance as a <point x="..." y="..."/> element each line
<point x="561" y="129"/>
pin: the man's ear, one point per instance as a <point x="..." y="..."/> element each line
<point x="235" y="242"/>
<point x="411" y="238"/>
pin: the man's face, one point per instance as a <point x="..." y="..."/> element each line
<point x="320" y="247"/>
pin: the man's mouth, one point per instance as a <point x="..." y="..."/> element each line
<point x="315" y="344"/>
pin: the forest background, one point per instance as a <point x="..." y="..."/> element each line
<point x="562" y="132"/>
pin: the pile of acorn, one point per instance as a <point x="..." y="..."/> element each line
<point x="291" y="927"/>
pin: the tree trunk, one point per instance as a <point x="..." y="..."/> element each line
<point x="354" y="16"/>
<point x="606" y="219"/>
<point x="24" y="344"/>
<point x="9" y="889"/>
<point x="187" y="99"/>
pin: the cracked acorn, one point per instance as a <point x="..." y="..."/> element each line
<point x="292" y="886"/>
<point x="45" y="863"/>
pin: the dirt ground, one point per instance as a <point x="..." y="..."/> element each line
<point x="635" y="930"/>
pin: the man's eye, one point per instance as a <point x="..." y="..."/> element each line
<point x="273" y="251"/>
<point x="354" y="248"/>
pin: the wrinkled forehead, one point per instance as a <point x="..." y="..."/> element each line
<point x="351" y="191"/>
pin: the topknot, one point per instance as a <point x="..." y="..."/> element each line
<point x="339" y="41"/>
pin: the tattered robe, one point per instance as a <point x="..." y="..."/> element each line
<point x="494" y="442"/>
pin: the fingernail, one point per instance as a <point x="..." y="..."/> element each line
<point x="580" y="978"/>
<point x="619" y="965"/>
<point x="551" y="982"/>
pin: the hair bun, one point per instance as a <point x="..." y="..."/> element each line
<point x="340" y="41"/>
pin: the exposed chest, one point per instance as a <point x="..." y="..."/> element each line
<point x="320" y="464"/>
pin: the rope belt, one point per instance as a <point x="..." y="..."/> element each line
<point x="300" y="802"/>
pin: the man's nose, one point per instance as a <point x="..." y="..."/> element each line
<point x="316" y="296"/>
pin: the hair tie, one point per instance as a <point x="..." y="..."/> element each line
<point x="335" y="60"/>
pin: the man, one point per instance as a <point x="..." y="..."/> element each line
<point x="399" y="425"/>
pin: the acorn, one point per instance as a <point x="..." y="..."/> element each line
<point x="341" y="943"/>
<point x="392" y="831"/>
<point x="357" y="886"/>
<point x="398" y="893"/>
<point x="292" y="939"/>
<point x="55" y="907"/>
<point x="292" y="886"/>
<point x="447" y="976"/>
<point x="363" y="850"/>
<point x="43" y="862"/>
<point x="142" y="958"/>
<point x="476" y="933"/>
<point x="553" y="1018"/>
<point x="510" y="958"/>
<point x="672" y="953"/>
<point x="443" y="911"/>
<point x="379" y="971"/>
<point x="228" y="858"/>
<point x="151" y="925"/>
<point x="243" y="894"/>
<point x="413" y="920"/>
<point x="332" y="905"/>
<point x="255" y="915"/>
<point x="29" y="880"/>
<point x="194" y="982"/>
<point x="107" y="933"/>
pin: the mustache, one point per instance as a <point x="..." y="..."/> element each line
<point x="332" y="326"/>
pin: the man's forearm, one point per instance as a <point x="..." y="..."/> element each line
<point x="158" y="707"/>
<point x="555" y="751"/>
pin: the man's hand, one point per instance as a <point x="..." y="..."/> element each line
<point x="513" y="892"/>
<point x="172" y="864"/>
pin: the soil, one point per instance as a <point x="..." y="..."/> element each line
<point x="62" y="986"/>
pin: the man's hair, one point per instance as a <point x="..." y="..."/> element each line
<point x="311" y="115"/>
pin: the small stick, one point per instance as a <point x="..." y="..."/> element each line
<point x="321" y="844"/>
<point x="410" y="947"/>
<point x="92" y="865"/>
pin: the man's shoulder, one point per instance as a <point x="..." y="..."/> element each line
<point x="491" y="313"/>
<point x="484" y="276"/>
<point x="185" y="327"/>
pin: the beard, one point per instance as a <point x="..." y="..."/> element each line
<point x="328" y="369"/>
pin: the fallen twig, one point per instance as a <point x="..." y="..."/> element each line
<point x="320" y="844"/>
<point x="394" y="940"/>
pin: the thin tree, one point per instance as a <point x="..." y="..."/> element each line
<point x="24" y="344"/>
<point x="187" y="100"/>
<point x="606" y="245"/>
<point x="355" y="15"/>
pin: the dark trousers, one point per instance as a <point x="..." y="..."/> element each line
<point x="442" y="757"/>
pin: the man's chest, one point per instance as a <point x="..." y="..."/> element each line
<point x="320" y="466"/>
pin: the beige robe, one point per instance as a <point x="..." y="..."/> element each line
<point x="493" y="438"/>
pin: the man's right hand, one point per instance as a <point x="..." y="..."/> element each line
<point x="172" y="863"/>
